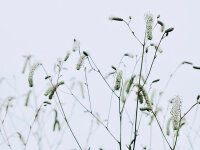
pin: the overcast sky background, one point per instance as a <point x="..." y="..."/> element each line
<point x="46" y="29"/>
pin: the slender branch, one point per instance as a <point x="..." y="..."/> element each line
<point x="86" y="80"/>
<point x="189" y="110"/>
<point x="103" y="77"/>
<point x="110" y="105"/>
<point x="137" y="103"/>
<point x="155" y="55"/>
<point x="128" y="24"/>
<point x="87" y="110"/>
<point x="161" y="129"/>
<point x="29" y="133"/>
<point x="62" y="110"/>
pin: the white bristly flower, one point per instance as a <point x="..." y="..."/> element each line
<point x="149" y="25"/>
<point x="118" y="80"/>
<point x="176" y="111"/>
<point x="31" y="73"/>
<point x="80" y="62"/>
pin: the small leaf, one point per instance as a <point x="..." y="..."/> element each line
<point x="198" y="97"/>
<point x="85" y="53"/>
<point x="47" y="103"/>
<point x="47" y="77"/>
<point x="186" y="62"/>
<point x="116" y="19"/>
<point x="196" y="67"/>
<point x="113" y="67"/>
<point x="169" y="30"/>
<point x="157" y="80"/>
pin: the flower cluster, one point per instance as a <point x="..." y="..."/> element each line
<point x="149" y="25"/>
<point x="176" y="111"/>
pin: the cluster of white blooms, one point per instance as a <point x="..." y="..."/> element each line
<point x="176" y="111"/>
<point x="149" y="25"/>
<point x="31" y="73"/>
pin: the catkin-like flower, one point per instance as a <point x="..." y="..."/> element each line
<point x="123" y="97"/>
<point x="67" y="56"/>
<point x="52" y="89"/>
<point x="80" y="62"/>
<point x="149" y="25"/>
<point x="27" y="58"/>
<point x="145" y="95"/>
<point x="31" y="73"/>
<point x="76" y="45"/>
<point x="118" y="80"/>
<point x="49" y="90"/>
<point x="168" y="126"/>
<point x="140" y="98"/>
<point x="175" y="112"/>
<point x="130" y="83"/>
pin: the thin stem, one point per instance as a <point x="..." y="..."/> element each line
<point x="110" y="105"/>
<point x="62" y="110"/>
<point x="137" y="103"/>
<point x="86" y="80"/>
<point x="161" y="129"/>
<point x="189" y="110"/>
<point x="87" y="110"/>
<point x="103" y="77"/>
<point x="128" y="24"/>
<point x="155" y="55"/>
<point x="29" y="133"/>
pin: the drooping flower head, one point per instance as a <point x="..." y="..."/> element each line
<point x="80" y="62"/>
<point x="31" y="73"/>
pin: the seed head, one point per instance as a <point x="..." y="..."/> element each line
<point x="176" y="111"/>
<point x="118" y="80"/>
<point x="149" y="25"/>
<point x="31" y="73"/>
<point x="80" y="62"/>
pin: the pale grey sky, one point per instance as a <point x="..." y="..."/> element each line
<point x="46" y="29"/>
